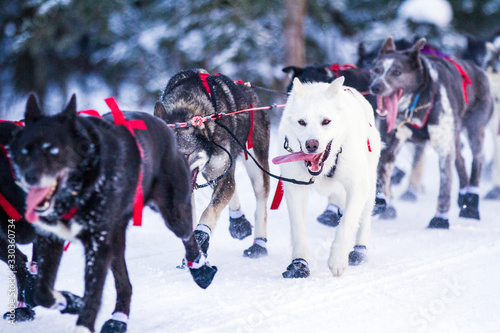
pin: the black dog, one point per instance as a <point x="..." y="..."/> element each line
<point x="428" y="98"/>
<point x="81" y="174"/>
<point x="15" y="228"/>
<point x="355" y="77"/>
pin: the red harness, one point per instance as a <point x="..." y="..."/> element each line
<point x="4" y="203"/>
<point x="203" y="78"/>
<point x="131" y="125"/>
<point x="335" y="68"/>
<point x="465" y="78"/>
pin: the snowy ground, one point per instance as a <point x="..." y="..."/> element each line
<point x="416" y="280"/>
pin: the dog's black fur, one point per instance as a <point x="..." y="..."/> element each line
<point x="439" y="85"/>
<point x="95" y="165"/>
<point x="23" y="232"/>
<point x="184" y="97"/>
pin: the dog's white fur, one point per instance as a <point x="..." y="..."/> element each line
<point x="352" y="124"/>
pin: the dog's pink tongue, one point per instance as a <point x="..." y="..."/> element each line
<point x="300" y="156"/>
<point x="389" y="104"/>
<point x="33" y="199"/>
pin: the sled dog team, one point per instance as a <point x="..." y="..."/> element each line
<point x="82" y="177"/>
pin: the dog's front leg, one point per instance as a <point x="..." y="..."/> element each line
<point x="296" y="200"/>
<point x="97" y="261"/>
<point x="356" y="198"/>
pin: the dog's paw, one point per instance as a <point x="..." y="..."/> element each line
<point x="338" y="262"/>
<point x="358" y="256"/>
<point x="409" y="196"/>
<point x="380" y="206"/>
<point x="493" y="194"/>
<point x="74" y="303"/>
<point x="114" y="326"/>
<point x="240" y="228"/>
<point x="438" y="223"/>
<point x="461" y="200"/>
<point x="20" y="314"/>
<point x="297" y="269"/>
<point x="397" y="176"/>
<point x="329" y="218"/>
<point x="201" y="271"/>
<point x="470" y="206"/>
<point x="389" y="213"/>
<point x="257" y="250"/>
<point x="203" y="239"/>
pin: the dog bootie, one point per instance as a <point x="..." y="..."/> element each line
<point x="358" y="256"/>
<point x="240" y="228"/>
<point x="201" y="271"/>
<point x="74" y="303"/>
<point x="257" y="250"/>
<point x="438" y="223"/>
<point x="389" y="213"/>
<point x="114" y="326"/>
<point x="202" y="236"/>
<point x="461" y="200"/>
<point x="297" y="269"/>
<point x="380" y="206"/>
<point x="493" y="194"/>
<point x="410" y="195"/>
<point x="470" y="207"/>
<point x="20" y="314"/>
<point x="397" y="176"/>
<point x="330" y="217"/>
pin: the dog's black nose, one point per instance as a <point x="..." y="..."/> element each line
<point x="31" y="177"/>
<point x="312" y="145"/>
<point x="376" y="88"/>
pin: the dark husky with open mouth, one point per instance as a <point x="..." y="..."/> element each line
<point x="195" y="93"/>
<point x="81" y="175"/>
<point x="424" y="97"/>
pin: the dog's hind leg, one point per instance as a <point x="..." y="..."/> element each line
<point x="118" y="322"/>
<point x="415" y="185"/>
<point x="260" y="183"/>
<point x="333" y="212"/>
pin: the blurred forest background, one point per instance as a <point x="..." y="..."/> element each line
<point x="134" y="47"/>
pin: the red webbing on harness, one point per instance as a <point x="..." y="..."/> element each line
<point x="203" y="78"/>
<point x="465" y="78"/>
<point x="335" y="68"/>
<point x="4" y="203"/>
<point x="92" y="113"/>
<point x="119" y="119"/>
<point x="278" y="196"/>
<point x="18" y="123"/>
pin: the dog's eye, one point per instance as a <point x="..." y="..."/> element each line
<point x="396" y="72"/>
<point x="54" y="151"/>
<point x="325" y="122"/>
<point x="378" y="70"/>
<point x="24" y="151"/>
<point x="302" y="122"/>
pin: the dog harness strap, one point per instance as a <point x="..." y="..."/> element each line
<point x="335" y="68"/>
<point x="6" y="154"/>
<point x="66" y="246"/>
<point x="278" y="196"/>
<point x="465" y="78"/>
<point x="9" y="209"/>
<point x="18" y="123"/>
<point x="92" y="113"/>
<point x="119" y="119"/>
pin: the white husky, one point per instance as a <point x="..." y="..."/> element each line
<point x="329" y="132"/>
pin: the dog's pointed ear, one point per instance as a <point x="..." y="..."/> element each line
<point x="388" y="46"/>
<point x="414" y="52"/>
<point x="292" y="70"/>
<point x="32" y="112"/>
<point x="490" y="47"/>
<point x="335" y="87"/>
<point x="298" y="87"/>
<point x="160" y="111"/>
<point x="70" y="110"/>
